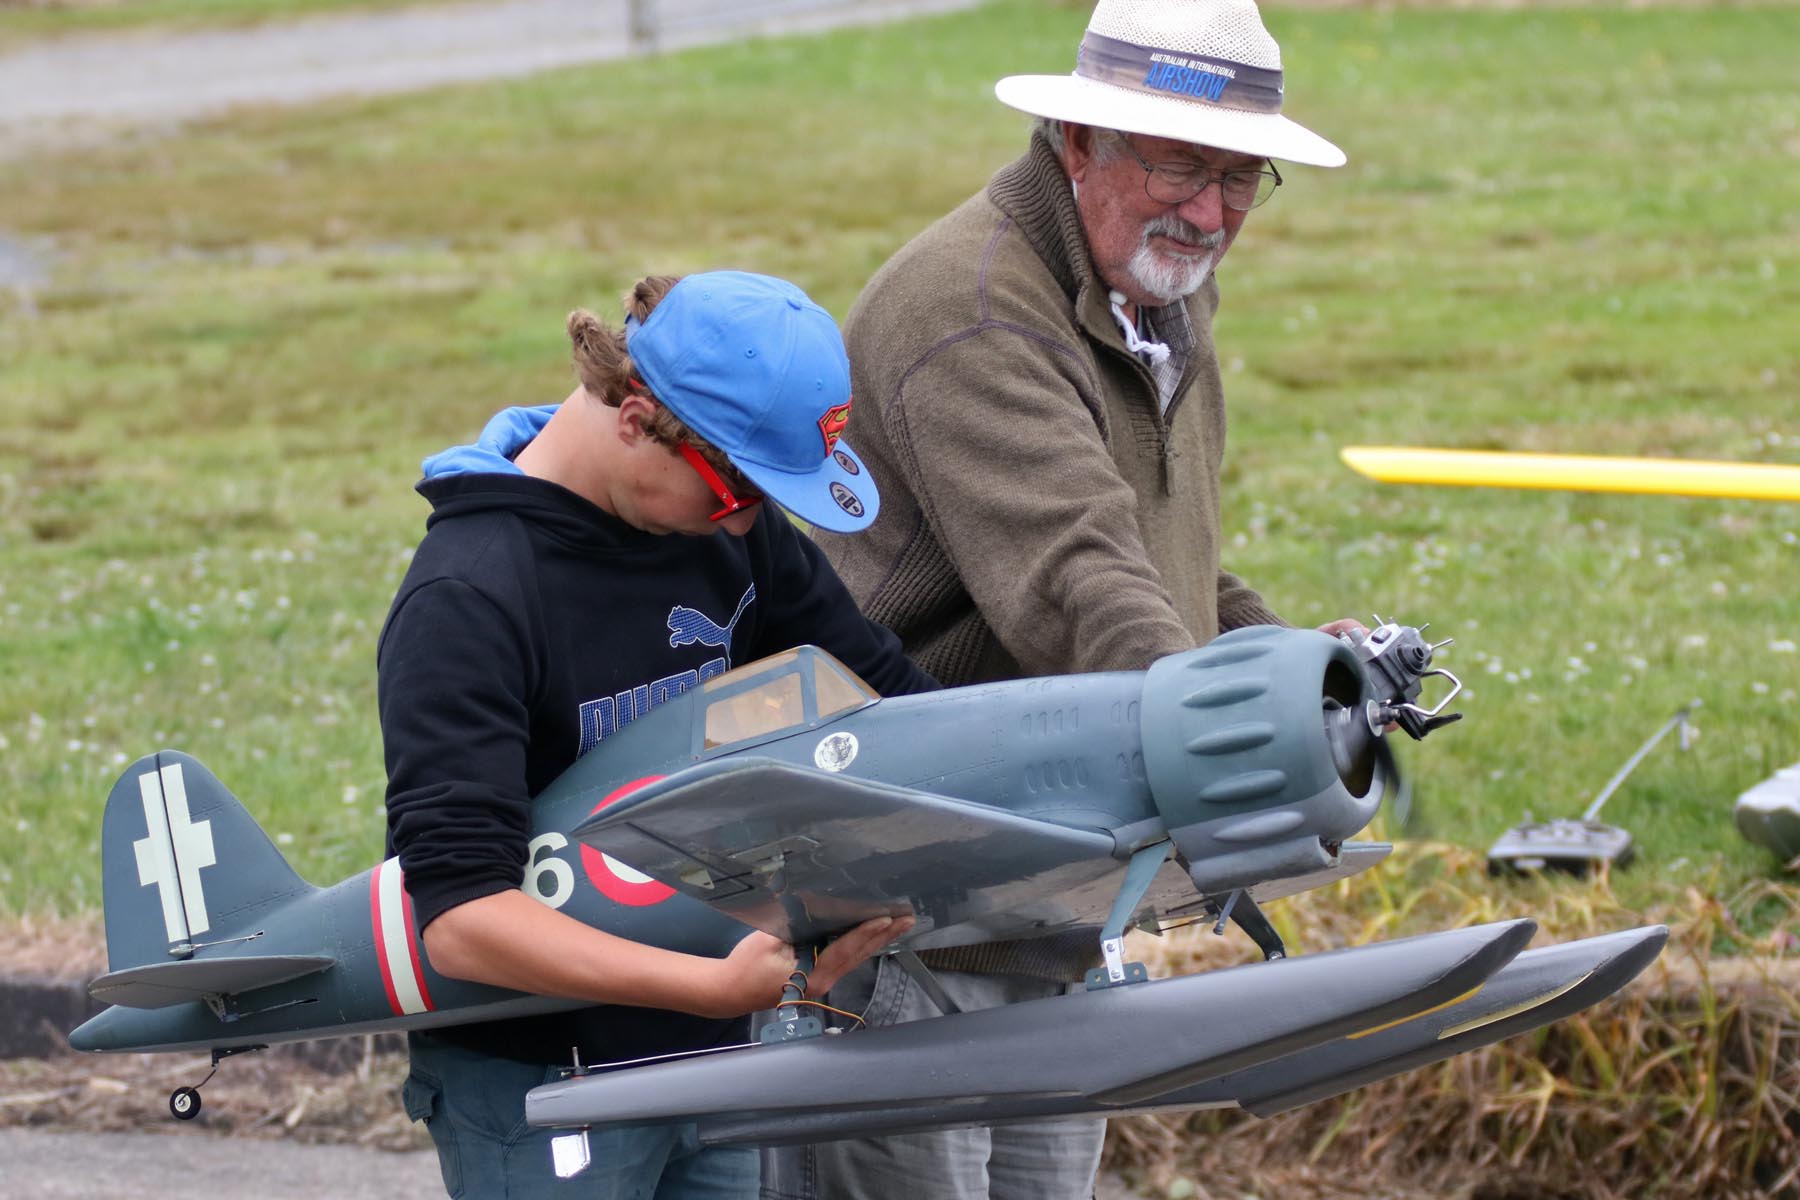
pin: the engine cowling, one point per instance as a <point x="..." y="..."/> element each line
<point x="1259" y="754"/>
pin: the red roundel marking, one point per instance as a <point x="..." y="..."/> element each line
<point x="615" y="880"/>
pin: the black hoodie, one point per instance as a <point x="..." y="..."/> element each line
<point x="531" y="624"/>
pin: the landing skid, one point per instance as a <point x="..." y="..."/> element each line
<point x="1117" y="1047"/>
<point x="1535" y="989"/>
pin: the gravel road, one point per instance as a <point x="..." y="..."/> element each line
<point x="148" y="1166"/>
<point x="65" y="91"/>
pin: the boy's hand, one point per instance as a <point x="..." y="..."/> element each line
<point x="751" y="978"/>
<point x="752" y="975"/>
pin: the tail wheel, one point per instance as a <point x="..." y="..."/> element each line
<point x="184" y="1103"/>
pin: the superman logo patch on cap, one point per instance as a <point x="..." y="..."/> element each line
<point x="833" y="424"/>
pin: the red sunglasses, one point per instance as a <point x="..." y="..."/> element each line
<point x="732" y="502"/>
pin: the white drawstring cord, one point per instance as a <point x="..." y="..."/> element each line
<point x="1155" y="352"/>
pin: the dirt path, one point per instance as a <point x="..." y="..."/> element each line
<point x="68" y="91"/>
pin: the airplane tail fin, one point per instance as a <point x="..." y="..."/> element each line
<point x="183" y="864"/>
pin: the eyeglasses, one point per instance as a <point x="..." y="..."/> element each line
<point x="1241" y="188"/>
<point x="732" y="500"/>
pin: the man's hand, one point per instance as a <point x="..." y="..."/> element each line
<point x="752" y="976"/>
<point x="851" y="949"/>
<point x="1344" y="625"/>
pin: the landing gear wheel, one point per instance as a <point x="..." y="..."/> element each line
<point x="184" y="1103"/>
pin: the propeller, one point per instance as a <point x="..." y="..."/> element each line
<point x="1397" y="660"/>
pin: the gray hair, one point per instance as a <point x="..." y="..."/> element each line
<point x="1108" y="143"/>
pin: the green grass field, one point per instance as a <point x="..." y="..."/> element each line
<point x="1568" y="230"/>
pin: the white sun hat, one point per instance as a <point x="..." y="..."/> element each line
<point x="1200" y="71"/>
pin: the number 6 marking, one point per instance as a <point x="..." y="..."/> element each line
<point x="563" y="885"/>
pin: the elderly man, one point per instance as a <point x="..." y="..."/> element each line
<point x="1041" y="400"/>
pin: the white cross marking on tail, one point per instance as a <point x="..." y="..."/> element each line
<point x="173" y="851"/>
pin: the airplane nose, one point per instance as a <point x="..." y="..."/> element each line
<point x="1353" y="743"/>
<point x="1253" y="755"/>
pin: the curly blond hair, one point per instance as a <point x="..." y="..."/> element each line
<point x="605" y="369"/>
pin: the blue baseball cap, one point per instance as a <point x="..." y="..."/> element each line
<point x="752" y="365"/>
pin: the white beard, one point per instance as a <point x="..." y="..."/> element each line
<point x="1173" y="277"/>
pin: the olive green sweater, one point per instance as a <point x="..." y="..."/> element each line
<point x="1038" y="515"/>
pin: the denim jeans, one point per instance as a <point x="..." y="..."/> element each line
<point x="1046" y="1160"/>
<point x="474" y="1106"/>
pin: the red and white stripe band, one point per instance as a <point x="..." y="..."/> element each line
<point x="396" y="941"/>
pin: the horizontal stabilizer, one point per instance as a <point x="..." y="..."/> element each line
<point x="1533" y="990"/>
<point x="803" y="853"/>
<point x="162" y="984"/>
<point x="1112" y="1047"/>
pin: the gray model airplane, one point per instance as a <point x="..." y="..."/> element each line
<point x="787" y="796"/>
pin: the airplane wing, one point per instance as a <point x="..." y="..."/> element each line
<point x="803" y="853"/>
<point x="1575" y="472"/>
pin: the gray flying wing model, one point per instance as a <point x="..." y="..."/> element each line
<point x="787" y="797"/>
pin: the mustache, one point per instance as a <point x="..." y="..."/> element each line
<point x="1170" y="225"/>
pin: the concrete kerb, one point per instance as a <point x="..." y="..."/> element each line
<point x="36" y="1014"/>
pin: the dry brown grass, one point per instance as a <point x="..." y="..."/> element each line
<point x="1685" y="1085"/>
<point x="272" y="1095"/>
<point x="53" y="947"/>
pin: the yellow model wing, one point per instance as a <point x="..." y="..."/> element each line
<point x="1575" y="472"/>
